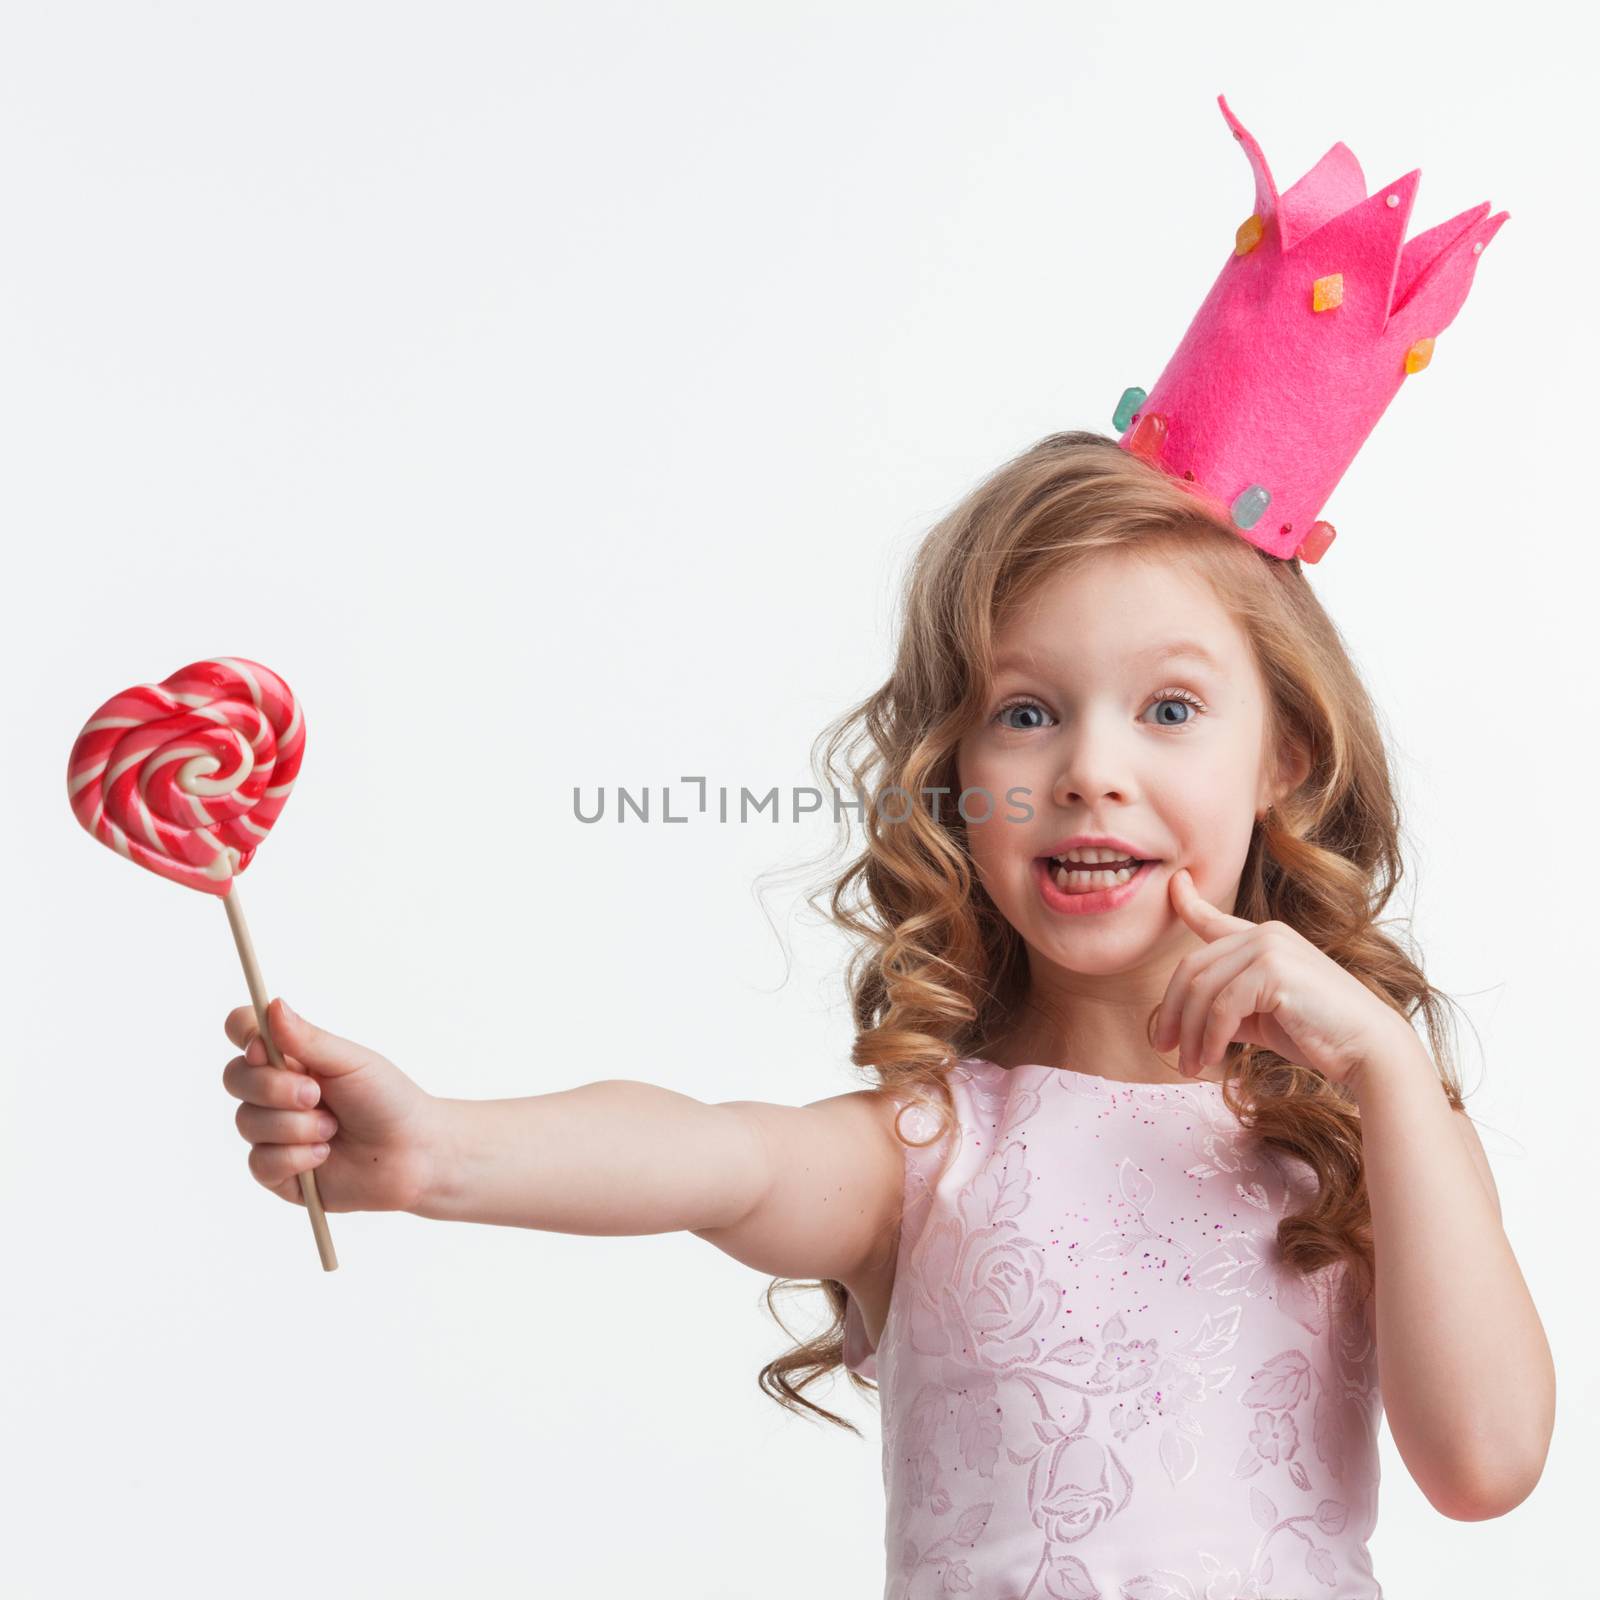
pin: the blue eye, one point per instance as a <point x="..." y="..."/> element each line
<point x="1019" y="705"/>
<point x="1178" y="696"/>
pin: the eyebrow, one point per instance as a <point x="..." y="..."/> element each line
<point x="1168" y="650"/>
<point x="1190" y="648"/>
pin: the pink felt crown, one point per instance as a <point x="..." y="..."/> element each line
<point x="1318" y="316"/>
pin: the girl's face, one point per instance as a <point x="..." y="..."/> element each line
<point x="1107" y="712"/>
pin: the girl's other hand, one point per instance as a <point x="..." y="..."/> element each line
<point x="339" y="1108"/>
<point x="1265" y="984"/>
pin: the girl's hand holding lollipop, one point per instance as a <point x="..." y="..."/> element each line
<point x="371" y="1134"/>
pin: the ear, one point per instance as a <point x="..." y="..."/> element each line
<point x="1294" y="767"/>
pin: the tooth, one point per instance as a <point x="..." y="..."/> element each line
<point x="1083" y="879"/>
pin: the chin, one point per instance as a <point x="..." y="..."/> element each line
<point x="1103" y="957"/>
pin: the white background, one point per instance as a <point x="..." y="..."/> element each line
<point x="553" y="394"/>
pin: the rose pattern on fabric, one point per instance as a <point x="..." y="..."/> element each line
<point x="1029" y="1459"/>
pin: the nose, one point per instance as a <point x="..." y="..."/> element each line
<point x="1093" y="766"/>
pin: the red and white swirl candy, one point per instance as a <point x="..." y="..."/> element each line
<point x="187" y="776"/>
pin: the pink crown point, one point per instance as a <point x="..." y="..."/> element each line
<point x="1321" y="311"/>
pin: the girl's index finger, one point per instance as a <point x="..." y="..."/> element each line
<point x="1209" y="921"/>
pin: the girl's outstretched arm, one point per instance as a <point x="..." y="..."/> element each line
<point x="796" y="1191"/>
<point x="1469" y="1385"/>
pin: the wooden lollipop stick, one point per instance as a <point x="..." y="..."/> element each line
<point x="258" y="998"/>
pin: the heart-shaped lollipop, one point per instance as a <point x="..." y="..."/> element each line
<point x="186" y="777"/>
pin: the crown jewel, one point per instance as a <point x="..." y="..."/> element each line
<point x="1321" y="311"/>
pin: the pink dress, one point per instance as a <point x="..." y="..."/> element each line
<point x="1096" y="1382"/>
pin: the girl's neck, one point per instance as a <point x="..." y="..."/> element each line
<point x="1105" y="1041"/>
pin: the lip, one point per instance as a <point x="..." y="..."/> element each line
<point x="1097" y="899"/>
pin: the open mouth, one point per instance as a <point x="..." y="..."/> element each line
<point x="1079" y="877"/>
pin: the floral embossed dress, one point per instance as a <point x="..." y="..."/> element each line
<point x="1096" y="1381"/>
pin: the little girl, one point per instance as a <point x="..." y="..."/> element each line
<point x="1157" y="1171"/>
